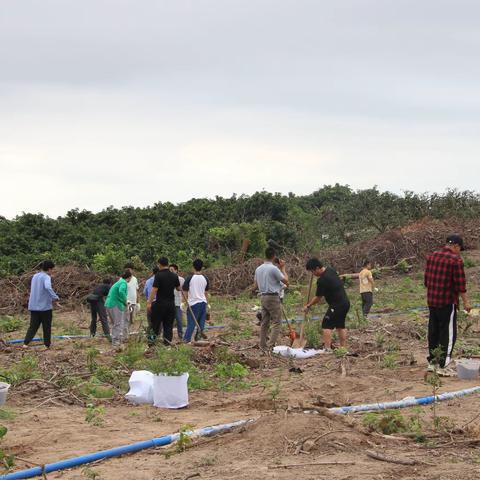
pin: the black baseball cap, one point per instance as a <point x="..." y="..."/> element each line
<point x="456" y="240"/>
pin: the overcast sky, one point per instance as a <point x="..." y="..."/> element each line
<point x="130" y="102"/>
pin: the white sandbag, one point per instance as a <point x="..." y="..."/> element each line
<point x="285" y="351"/>
<point x="170" y="391"/>
<point x="141" y="387"/>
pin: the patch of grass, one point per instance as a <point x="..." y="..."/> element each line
<point x="468" y="262"/>
<point x="340" y="352"/>
<point x="7" y="414"/>
<point x="224" y="355"/>
<point x="92" y="354"/>
<point x="390" y="361"/>
<point x="90" y="473"/>
<point x="25" y="369"/>
<point x="10" y="324"/>
<point x="73" y="330"/>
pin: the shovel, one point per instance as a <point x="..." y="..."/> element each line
<point x="301" y="342"/>
<point x="292" y="333"/>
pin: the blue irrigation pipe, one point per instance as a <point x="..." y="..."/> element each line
<point x="116" y="452"/>
<point x="406" y="402"/>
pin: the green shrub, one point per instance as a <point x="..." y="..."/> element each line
<point x="25" y="369"/>
<point x="176" y="361"/>
<point x="133" y="354"/>
<point x="10" y="324"/>
<point x="312" y="334"/>
<point x="231" y="376"/>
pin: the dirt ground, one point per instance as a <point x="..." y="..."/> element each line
<point x="49" y="424"/>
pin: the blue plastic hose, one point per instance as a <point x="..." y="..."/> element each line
<point x="115" y="452"/>
<point x="406" y="402"/>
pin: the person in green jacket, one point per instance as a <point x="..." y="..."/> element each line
<point x="115" y="304"/>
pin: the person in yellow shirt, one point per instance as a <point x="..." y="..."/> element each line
<point x="365" y="278"/>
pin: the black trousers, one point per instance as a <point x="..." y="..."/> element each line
<point x="367" y="302"/>
<point x="163" y="316"/>
<point x="97" y="310"/>
<point x="38" y="318"/>
<point x="442" y="332"/>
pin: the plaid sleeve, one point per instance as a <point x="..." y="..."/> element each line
<point x="459" y="280"/>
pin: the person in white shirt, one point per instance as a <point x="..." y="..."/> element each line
<point x="178" y="301"/>
<point x="197" y="286"/>
<point x="132" y="298"/>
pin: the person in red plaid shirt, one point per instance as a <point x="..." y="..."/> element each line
<point x="445" y="282"/>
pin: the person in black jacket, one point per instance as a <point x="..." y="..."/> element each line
<point x="97" y="306"/>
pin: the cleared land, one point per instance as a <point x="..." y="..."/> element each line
<point x="47" y="407"/>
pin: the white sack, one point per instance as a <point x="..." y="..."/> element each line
<point x="141" y="387"/>
<point x="170" y="391"/>
<point x="285" y="351"/>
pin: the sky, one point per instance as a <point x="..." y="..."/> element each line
<point x="133" y="102"/>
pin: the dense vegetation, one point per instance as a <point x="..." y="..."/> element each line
<point x="215" y="228"/>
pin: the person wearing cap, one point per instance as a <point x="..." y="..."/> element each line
<point x="269" y="281"/>
<point x="445" y="282"/>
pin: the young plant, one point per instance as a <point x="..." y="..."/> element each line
<point x="25" y="369"/>
<point x="231" y="376"/>
<point x="184" y="439"/>
<point x="390" y="361"/>
<point x="92" y="354"/>
<point x="94" y="415"/>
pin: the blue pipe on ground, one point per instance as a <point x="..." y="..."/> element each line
<point x="406" y="402"/>
<point x="115" y="452"/>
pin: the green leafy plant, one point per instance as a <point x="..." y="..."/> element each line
<point x="312" y="335"/>
<point x="90" y="473"/>
<point x="10" y="324"/>
<point x="133" y="354"/>
<point x="231" y="376"/>
<point x="341" y="352"/>
<point x="92" y="354"/>
<point x="184" y="438"/>
<point x="94" y="415"/>
<point x="390" y="361"/>
<point x="390" y="422"/>
<point x="176" y="361"/>
<point x="25" y="369"/>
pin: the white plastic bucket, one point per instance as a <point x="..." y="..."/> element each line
<point x="3" y="392"/>
<point x="170" y="391"/>
<point x="468" y="369"/>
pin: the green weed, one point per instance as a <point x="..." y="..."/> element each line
<point x="10" y="324"/>
<point x="25" y="369"/>
<point x="94" y="415"/>
<point x="133" y="353"/>
<point x="312" y="334"/>
<point x="390" y="361"/>
<point x="184" y="439"/>
<point x="176" y="361"/>
<point x="231" y="376"/>
<point x="390" y="422"/>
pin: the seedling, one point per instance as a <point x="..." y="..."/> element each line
<point x="184" y="439"/>
<point x="390" y="361"/>
<point x="94" y="415"/>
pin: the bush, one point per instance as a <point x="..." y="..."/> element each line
<point x="176" y="361"/>
<point x="10" y="324"/>
<point x="111" y="260"/>
<point x="25" y="369"/>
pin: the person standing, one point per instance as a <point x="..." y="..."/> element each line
<point x="445" y="281"/>
<point x="96" y="301"/>
<point x="178" y="301"/>
<point x="197" y="286"/>
<point x="161" y="301"/>
<point x="330" y="287"/>
<point x="367" y="283"/>
<point x="270" y="281"/>
<point x="146" y="291"/>
<point x="116" y="304"/>
<point x="132" y="297"/>
<point x="40" y="304"/>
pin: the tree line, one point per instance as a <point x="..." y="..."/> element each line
<point x="215" y="229"/>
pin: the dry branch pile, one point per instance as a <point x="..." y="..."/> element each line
<point x="71" y="283"/>
<point x="413" y="242"/>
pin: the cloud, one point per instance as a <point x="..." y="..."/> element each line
<point x="121" y="102"/>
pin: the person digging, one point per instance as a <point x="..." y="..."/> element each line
<point x="330" y="287"/>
